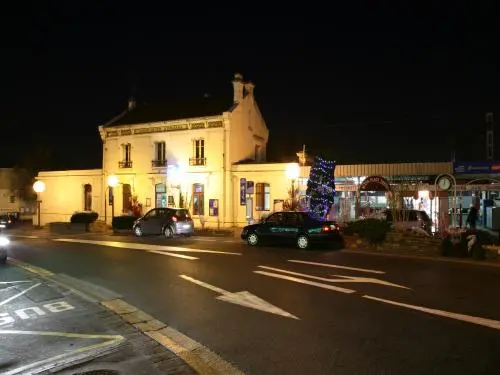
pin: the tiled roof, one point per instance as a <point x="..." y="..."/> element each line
<point x="168" y="110"/>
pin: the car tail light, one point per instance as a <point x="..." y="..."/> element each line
<point x="326" y="228"/>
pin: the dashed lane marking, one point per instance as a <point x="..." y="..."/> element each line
<point x="490" y="323"/>
<point x="196" y="355"/>
<point x="147" y="247"/>
<point x="337" y="266"/>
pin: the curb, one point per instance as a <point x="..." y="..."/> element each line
<point x="424" y="257"/>
<point x="197" y="356"/>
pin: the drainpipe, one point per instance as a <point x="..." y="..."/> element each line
<point x="224" y="177"/>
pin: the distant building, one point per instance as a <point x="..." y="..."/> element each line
<point x="14" y="183"/>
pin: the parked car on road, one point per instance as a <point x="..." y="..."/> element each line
<point x="167" y="221"/>
<point x="292" y="227"/>
<point x="6" y="221"/>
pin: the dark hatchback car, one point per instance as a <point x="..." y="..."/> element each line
<point x="7" y="221"/>
<point x="167" y="221"/>
<point x="293" y="228"/>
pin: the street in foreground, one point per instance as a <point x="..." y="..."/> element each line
<point x="273" y="310"/>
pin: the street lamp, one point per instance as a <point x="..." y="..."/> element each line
<point x="112" y="182"/>
<point x="39" y="187"/>
<point x="292" y="173"/>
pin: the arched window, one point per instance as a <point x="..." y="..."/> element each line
<point x="87" y="197"/>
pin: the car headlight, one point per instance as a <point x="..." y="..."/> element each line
<point x="4" y="241"/>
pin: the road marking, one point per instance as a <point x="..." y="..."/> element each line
<point x="490" y="323"/>
<point x="243" y="298"/>
<point x="15" y="282"/>
<point x="172" y="254"/>
<point x="205" y="239"/>
<point x="19" y="294"/>
<point x="30" y="268"/>
<point x="65" y="358"/>
<point x="21" y="236"/>
<point x="199" y="357"/>
<point x="347" y="279"/>
<point x="337" y="266"/>
<point x="304" y="281"/>
<point x="141" y="246"/>
<point x="351" y="279"/>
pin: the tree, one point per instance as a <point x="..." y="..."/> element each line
<point x="321" y="187"/>
<point x="21" y="184"/>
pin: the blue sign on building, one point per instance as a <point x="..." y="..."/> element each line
<point x="243" y="191"/>
<point x="477" y="167"/>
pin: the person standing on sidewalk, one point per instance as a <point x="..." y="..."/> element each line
<point x="472" y="217"/>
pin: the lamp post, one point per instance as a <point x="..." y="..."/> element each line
<point x="38" y="187"/>
<point x="292" y="173"/>
<point x="112" y="182"/>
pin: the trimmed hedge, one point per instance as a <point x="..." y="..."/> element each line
<point x="372" y="230"/>
<point x="84" y="217"/>
<point x="123" y="222"/>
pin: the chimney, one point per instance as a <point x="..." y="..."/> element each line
<point x="238" y="88"/>
<point x="131" y="103"/>
<point x="249" y="87"/>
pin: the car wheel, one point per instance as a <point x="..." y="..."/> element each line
<point x="253" y="239"/>
<point x="168" y="232"/>
<point x="302" y="242"/>
<point x="138" y="231"/>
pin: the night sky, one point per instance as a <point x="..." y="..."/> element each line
<point x="368" y="84"/>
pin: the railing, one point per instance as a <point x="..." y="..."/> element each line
<point x="158" y="163"/>
<point x="125" y="164"/>
<point x="197" y="161"/>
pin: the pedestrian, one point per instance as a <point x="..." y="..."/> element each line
<point x="472" y="218"/>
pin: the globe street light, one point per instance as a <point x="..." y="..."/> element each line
<point x="39" y="187"/>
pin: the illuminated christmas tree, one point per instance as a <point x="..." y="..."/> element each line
<point x="321" y="187"/>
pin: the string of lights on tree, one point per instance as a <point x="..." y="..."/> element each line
<point x="321" y="187"/>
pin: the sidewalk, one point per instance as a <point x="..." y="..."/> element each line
<point x="48" y="327"/>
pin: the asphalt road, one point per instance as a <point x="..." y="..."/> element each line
<point x="420" y="317"/>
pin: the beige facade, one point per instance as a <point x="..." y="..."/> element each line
<point x="168" y="162"/>
<point x="67" y="192"/>
<point x="199" y="162"/>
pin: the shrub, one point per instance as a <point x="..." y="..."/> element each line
<point x="373" y="230"/>
<point x="84" y="217"/>
<point x="460" y="249"/>
<point x="123" y="222"/>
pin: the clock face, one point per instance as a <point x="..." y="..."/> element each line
<point x="444" y="183"/>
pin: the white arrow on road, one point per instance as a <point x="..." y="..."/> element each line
<point x="244" y="298"/>
<point x="347" y="279"/>
<point x="351" y="279"/>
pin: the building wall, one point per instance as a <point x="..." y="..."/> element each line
<point x="64" y="194"/>
<point x="273" y="173"/>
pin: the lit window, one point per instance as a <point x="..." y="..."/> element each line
<point x="262" y="197"/>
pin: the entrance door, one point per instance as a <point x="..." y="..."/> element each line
<point x="161" y="195"/>
<point x="127" y="198"/>
<point x="249" y="209"/>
